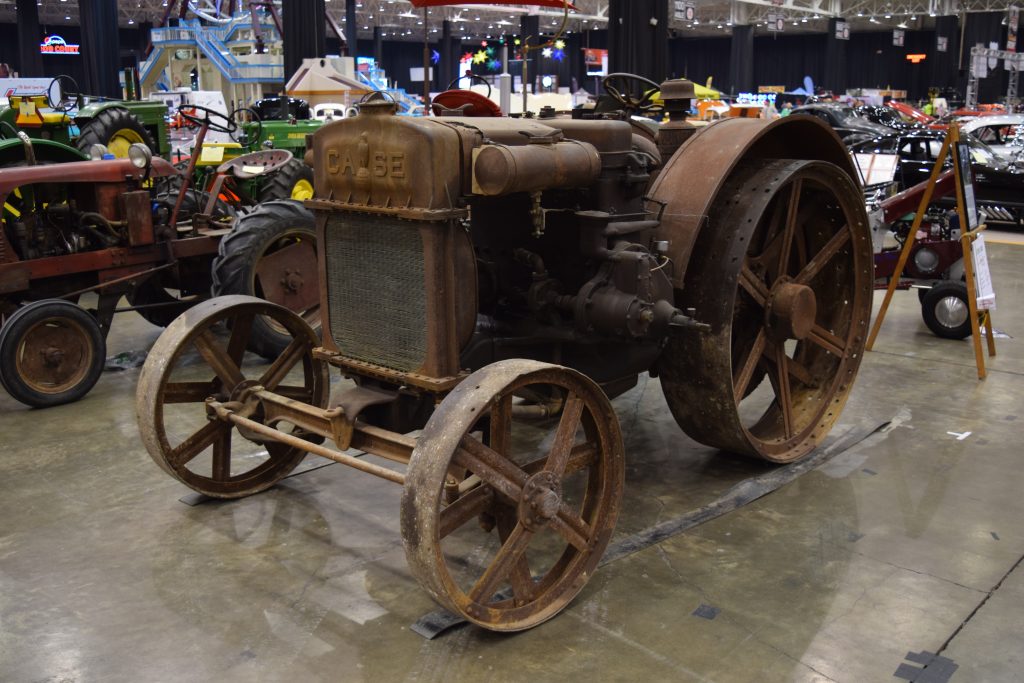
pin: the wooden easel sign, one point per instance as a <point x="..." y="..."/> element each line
<point x="981" y="298"/>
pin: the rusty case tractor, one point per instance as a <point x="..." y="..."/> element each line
<point x="489" y="284"/>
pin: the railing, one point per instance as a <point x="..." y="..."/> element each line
<point x="210" y="41"/>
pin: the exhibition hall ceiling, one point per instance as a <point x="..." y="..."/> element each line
<point x="400" y="20"/>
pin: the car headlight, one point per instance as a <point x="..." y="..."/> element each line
<point x="98" y="151"/>
<point x="139" y="155"/>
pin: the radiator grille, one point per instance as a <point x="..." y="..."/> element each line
<point x="375" y="290"/>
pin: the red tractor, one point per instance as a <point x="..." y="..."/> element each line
<point x="100" y="226"/>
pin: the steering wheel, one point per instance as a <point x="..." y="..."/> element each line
<point x="454" y="85"/>
<point x="7" y="131"/>
<point x="253" y="117"/>
<point x="69" y="97"/>
<point x="229" y="126"/>
<point x="645" y="102"/>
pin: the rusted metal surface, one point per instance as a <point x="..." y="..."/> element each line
<point x="517" y="488"/>
<point x="54" y="355"/>
<point x="690" y="182"/>
<point x="788" y="259"/>
<point x="502" y="169"/>
<point x="111" y="171"/>
<point x="167" y="405"/>
<point x="138" y="214"/>
<point x="491" y="282"/>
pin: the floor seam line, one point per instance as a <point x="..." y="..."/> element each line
<point x="989" y="370"/>
<point x="923" y="573"/>
<point x="977" y="608"/>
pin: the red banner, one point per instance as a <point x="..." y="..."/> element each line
<point x="543" y="3"/>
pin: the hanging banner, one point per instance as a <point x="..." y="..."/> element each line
<point x="1011" y="29"/>
<point x="685" y="10"/>
<point x="979" y="66"/>
<point x="776" y="22"/>
<point x="842" y="30"/>
<point x="897" y="37"/>
<point x="941" y="44"/>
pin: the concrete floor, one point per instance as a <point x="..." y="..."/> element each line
<point x="908" y="542"/>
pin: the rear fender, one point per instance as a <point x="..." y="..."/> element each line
<point x="690" y="182"/>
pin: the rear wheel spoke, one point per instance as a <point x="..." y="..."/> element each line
<point x="780" y="382"/>
<point x="826" y="254"/>
<point x="828" y="341"/>
<point x="750" y="364"/>
<point x="790" y="229"/>
<point x="753" y="285"/>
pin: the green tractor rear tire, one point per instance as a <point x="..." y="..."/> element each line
<point x="294" y="181"/>
<point x="116" y="129"/>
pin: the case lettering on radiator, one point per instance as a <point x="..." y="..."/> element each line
<point x="379" y="164"/>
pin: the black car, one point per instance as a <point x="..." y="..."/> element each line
<point x="888" y="117"/>
<point x="844" y="120"/>
<point x="277" y="108"/>
<point x="998" y="184"/>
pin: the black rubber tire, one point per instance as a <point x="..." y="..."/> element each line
<point x="253" y="236"/>
<point x="194" y="202"/>
<point x="280" y="185"/>
<point x="149" y="293"/>
<point x="933" y="319"/>
<point x="99" y="130"/>
<point x="21" y="323"/>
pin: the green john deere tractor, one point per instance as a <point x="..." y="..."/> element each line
<point x="114" y="124"/>
<point x="293" y="181"/>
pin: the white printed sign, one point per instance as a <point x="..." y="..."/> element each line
<point x="983" y="288"/>
<point x="876" y="168"/>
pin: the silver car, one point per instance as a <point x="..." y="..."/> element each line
<point x="1004" y="133"/>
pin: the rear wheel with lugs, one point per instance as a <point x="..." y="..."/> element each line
<point x="505" y="514"/>
<point x="293" y="181"/>
<point x="51" y="352"/>
<point x="783" y="274"/>
<point x="271" y="253"/>
<point x="116" y="129"/>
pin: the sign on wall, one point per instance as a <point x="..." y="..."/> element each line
<point x="897" y="37"/>
<point x="55" y="45"/>
<point x="685" y="10"/>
